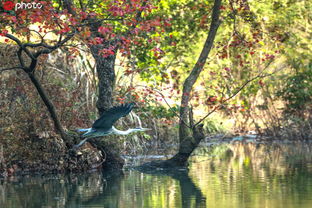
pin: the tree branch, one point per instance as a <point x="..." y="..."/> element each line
<point x="20" y="44"/>
<point x="163" y="96"/>
<point x="260" y="75"/>
<point x="11" y="68"/>
<point x="49" y="48"/>
<point x="30" y="72"/>
<point x="49" y="105"/>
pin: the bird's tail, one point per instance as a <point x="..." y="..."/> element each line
<point x="83" y="130"/>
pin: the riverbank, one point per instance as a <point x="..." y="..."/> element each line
<point x="46" y="156"/>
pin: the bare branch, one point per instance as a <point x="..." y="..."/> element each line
<point x="81" y="5"/>
<point x="49" y="48"/>
<point x="20" y="44"/>
<point x="163" y="97"/>
<point x="259" y="75"/>
<point x="41" y="37"/>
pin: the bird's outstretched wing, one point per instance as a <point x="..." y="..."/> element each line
<point x="109" y="117"/>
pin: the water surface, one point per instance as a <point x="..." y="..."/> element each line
<point x="228" y="175"/>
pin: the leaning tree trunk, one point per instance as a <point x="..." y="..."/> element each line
<point x="43" y="95"/>
<point x="30" y="68"/>
<point x="30" y="71"/>
<point x="189" y="134"/>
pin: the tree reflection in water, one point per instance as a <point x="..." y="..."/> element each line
<point x="231" y="175"/>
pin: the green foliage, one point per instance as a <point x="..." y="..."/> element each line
<point x="297" y="90"/>
<point x="246" y="40"/>
<point x="187" y="20"/>
<point x="213" y="126"/>
<point x="161" y="112"/>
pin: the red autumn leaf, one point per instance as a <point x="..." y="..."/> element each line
<point x="104" y="30"/>
<point x="261" y="83"/>
<point x="167" y="24"/>
<point x="212" y="99"/>
<point x="83" y="15"/>
<point x="3" y="32"/>
<point x="98" y="40"/>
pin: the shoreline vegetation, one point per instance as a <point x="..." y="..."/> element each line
<point x="84" y="161"/>
<point x="229" y="68"/>
<point x="28" y="147"/>
<point x="89" y="158"/>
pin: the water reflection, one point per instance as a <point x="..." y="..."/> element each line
<point x="255" y="175"/>
<point x="230" y="175"/>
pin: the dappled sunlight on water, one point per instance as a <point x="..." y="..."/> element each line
<point x="255" y="175"/>
<point x="227" y="175"/>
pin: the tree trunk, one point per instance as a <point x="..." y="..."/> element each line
<point x="43" y="95"/>
<point x="189" y="134"/>
<point x="188" y="141"/>
<point x="187" y="146"/>
<point x="106" y="74"/>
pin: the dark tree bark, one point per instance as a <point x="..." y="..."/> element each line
<point x="50" y="107"/>
<point x="106" y="75"/>
<point x="29" y="69"/>
<point x="105" y="67"/>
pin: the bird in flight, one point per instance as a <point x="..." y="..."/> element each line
<point x="104" y="125"/>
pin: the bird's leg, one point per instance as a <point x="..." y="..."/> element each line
<point x="81" y="143"/>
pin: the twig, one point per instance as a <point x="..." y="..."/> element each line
<point x="163" y="96"/>
<point x="11" y="68"/>
<point x="260" y="75"/>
